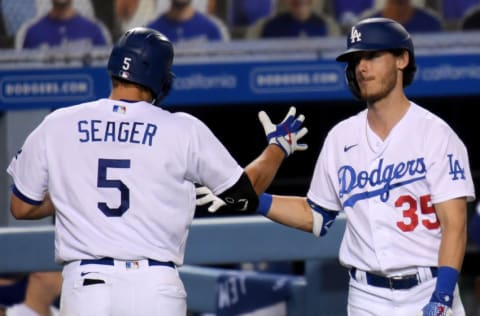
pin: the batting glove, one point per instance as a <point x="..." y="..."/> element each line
<point x="286" y="134"/>
<point x="442" y="298"/>
<point x="440" y="305"/>
<point x="204" y="196"/>
<point x="436" y="309"/>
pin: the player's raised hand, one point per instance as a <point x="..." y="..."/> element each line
<point x="204" y="196"/>
<point x="436" y="309"/>
<point x="287" y="133"/>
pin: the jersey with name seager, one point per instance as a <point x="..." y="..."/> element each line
<point x="121" y="176"/>
<point x="387" y="188"/>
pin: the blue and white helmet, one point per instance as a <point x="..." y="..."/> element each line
<point x="377" y="34"/>
<point x="144" y="56"/>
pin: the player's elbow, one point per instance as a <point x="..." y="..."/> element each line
<point x="20" y="209"/>
<point x="241" y="196"/>
<point x="322" y="219"/>
<point x="17" y="213"/>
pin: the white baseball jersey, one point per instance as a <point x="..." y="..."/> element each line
<point x="121" y="175"/>
<point x="387" y="188"/>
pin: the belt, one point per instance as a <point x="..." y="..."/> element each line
<point x="403" y="282"/>
<point x="111" y="262"/>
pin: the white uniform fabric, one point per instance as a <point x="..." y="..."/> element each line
<point x="89" y="154"/>
<point x="24" y="310"/>
<point x="121" y="176"/>
<point x="386" y="189"/>
<point x="367" y="300"/>
<point x="127" y="288"/>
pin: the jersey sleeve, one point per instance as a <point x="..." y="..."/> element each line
<point x="210" y="162"/>
<point x="449" y="173"/>
<point x="28" y="167"/>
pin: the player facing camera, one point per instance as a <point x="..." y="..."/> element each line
<point x="371" y="37"/>
<point x="144" y="57"/>
<point x="402" y="177"/>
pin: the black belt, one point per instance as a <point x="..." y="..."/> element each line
<point x="110" y="262"/>
<point x="395" y="283"/>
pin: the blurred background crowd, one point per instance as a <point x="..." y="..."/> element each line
<point x="39" y="23"/>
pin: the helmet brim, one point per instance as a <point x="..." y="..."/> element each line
<point x="347" y="55"/>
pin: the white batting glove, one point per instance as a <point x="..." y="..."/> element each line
<point x="204" y="196"/>
<point x="286" y="134"/>
<point x="436" y="309"/>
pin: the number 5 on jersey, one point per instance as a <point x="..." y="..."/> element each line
<point x="103" y="182"/>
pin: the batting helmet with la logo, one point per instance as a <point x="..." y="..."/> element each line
<point x="377" y="34"/>
<point x="355" y="35"/>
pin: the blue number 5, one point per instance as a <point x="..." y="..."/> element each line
<point x="103" y="182"/>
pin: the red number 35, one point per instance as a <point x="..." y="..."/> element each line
<point x="410" y="213"/>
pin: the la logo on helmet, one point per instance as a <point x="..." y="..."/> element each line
<point x="355" y="35"/>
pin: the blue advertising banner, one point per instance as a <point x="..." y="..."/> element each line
<point x="234" y="82"/>
<point x="447" y="75"/>
<point x="51" y="88"/>
<point x="258" y="82"/>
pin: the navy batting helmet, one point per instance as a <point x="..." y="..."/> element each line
<point x="144" y="56"/>
<point x="377" y="34"/>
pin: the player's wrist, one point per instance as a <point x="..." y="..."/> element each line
<point x="446" y="281"/>
<point x="281" y="147"/>
<point x="264" y="203"/>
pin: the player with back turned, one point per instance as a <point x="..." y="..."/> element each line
<point x="120" y="172"/>
<point x="402" y="177"/>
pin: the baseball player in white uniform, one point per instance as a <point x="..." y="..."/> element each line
<point x="119" y="174"/>
<point x="402" y="177"/>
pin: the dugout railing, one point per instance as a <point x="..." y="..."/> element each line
<point x="320" y="290"/>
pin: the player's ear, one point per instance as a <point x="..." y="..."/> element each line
<point x="402" y="60"/>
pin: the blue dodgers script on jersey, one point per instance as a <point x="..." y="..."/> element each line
<point x="414" y="169"/>
<point x="382" y="176"/>
<point x="110" y="131"/>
